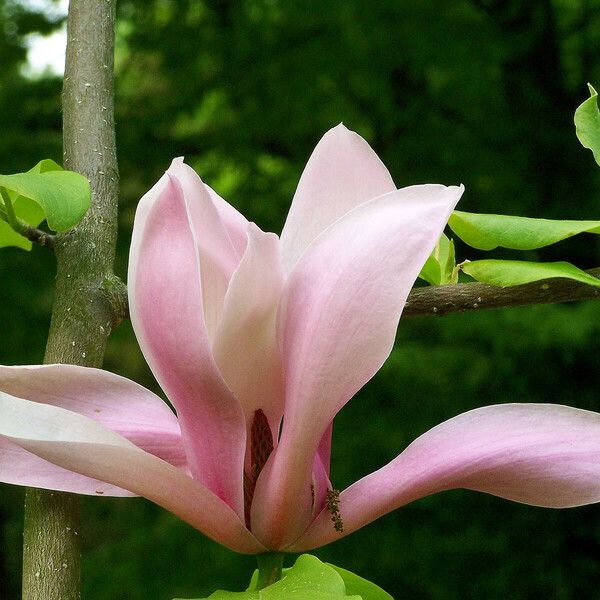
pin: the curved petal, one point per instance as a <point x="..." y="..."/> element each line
<point x="218" y="257"/>
<point x="539" y="454"/>
<point x="20" y="467"/>
<point x="320" y="472"/>
<point x="338" y="319"/>
<point x="342" y="172"/>
<point x="116" y="402"/>
<point x="324" y="450"/>
<point x="166" y="306"/>
<point x="245" y="348"/>
<point x="79" y="444"/>
<point x="320" y="485"/>
<point x="234" y="222"/>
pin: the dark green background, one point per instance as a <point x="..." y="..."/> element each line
<point x="449" y="91"/>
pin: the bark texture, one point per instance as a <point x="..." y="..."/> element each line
<point x="440" y="300"/>
<point x="82" y="314"/>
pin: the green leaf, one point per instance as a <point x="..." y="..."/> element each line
<point x="440" y="266"/>
<point x="486" y="232"/>
<point x="516" y="272"/>
<point x="9" y="237"/>
<point x="27" y="210"/>
<point x="308" y="579"/>
<point x="45" y="165"/>
<point x="587" y="124"/>
<point x="361" y="587"/>
<point x="61" y="197"/>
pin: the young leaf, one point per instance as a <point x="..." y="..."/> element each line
<point x="361" y="587"/>
<point x="440" y="266"/>
<point x="309" y="578"/>
<point x="587" y="124"/>
<point x="9" y="237"/>
<point x="486" y="232"/>
<point x="431" y="272"/>
<point x="63" y="197"/>
<point x="45" y="165"/>
<point x="516" y="272"/>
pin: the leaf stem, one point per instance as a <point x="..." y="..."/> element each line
<point x="11" y="217"/>
<point x="270" y="565"/>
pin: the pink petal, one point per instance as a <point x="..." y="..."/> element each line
<point x="118" y="403"/>
<point x="338" y="319"/>
<point x="218" y="257"/>
<point x="539" y="454"/>
<point x="324" y="450"/>
<point x="342" y="172"/>
<point x="79" y="444"/>
<point x="320" y="485"/>
<point x="20" y="467"/>
<point x="166" y="305"/>
<point x="245" y="348"/>
<point x="234" y="222"/>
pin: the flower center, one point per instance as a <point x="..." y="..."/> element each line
<point x="261" y="446"/>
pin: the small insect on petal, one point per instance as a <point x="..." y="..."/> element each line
<point x="333" y="506"/>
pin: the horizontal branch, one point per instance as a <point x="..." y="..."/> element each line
<point x="441" y="300"/>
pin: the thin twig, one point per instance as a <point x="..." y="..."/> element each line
<point x="38" y="236"/>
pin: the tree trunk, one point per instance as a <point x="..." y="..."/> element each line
<point x="82" y="316"/>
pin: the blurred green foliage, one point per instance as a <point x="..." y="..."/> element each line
<point x="474" y="91"/>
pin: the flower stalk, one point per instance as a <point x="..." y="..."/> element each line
<point x="270" y="565"/>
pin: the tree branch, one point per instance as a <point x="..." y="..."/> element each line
<point x="439" y="300"/>
<point x="445" y="299"/>
<point x="81" y="316"/>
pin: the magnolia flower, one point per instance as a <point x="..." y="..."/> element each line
<point x="258" y="342"/>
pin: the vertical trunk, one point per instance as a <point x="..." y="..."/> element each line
<point x="81" y="317"/>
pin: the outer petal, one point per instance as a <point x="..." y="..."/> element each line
<point x="320" y="485"/>
<point x="116" y="402"/>
<point x="166" y="305"/>
<point x="20" y="467"/>
<point x="539" y="454"/>
<point x="245" y="347"/>
<point x="218" y="257"/>
<point x="320" y="472"/>
<point x="82" y="445"/>
<point x="234" y="222"/>
<point x="342" y="172"/>
<point x="324" y="450"/>
<point x="338" y="320"/>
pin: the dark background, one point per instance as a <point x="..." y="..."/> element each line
<point x="449" y="91"/>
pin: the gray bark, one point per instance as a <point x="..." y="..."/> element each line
<point x="82" y="314"/>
